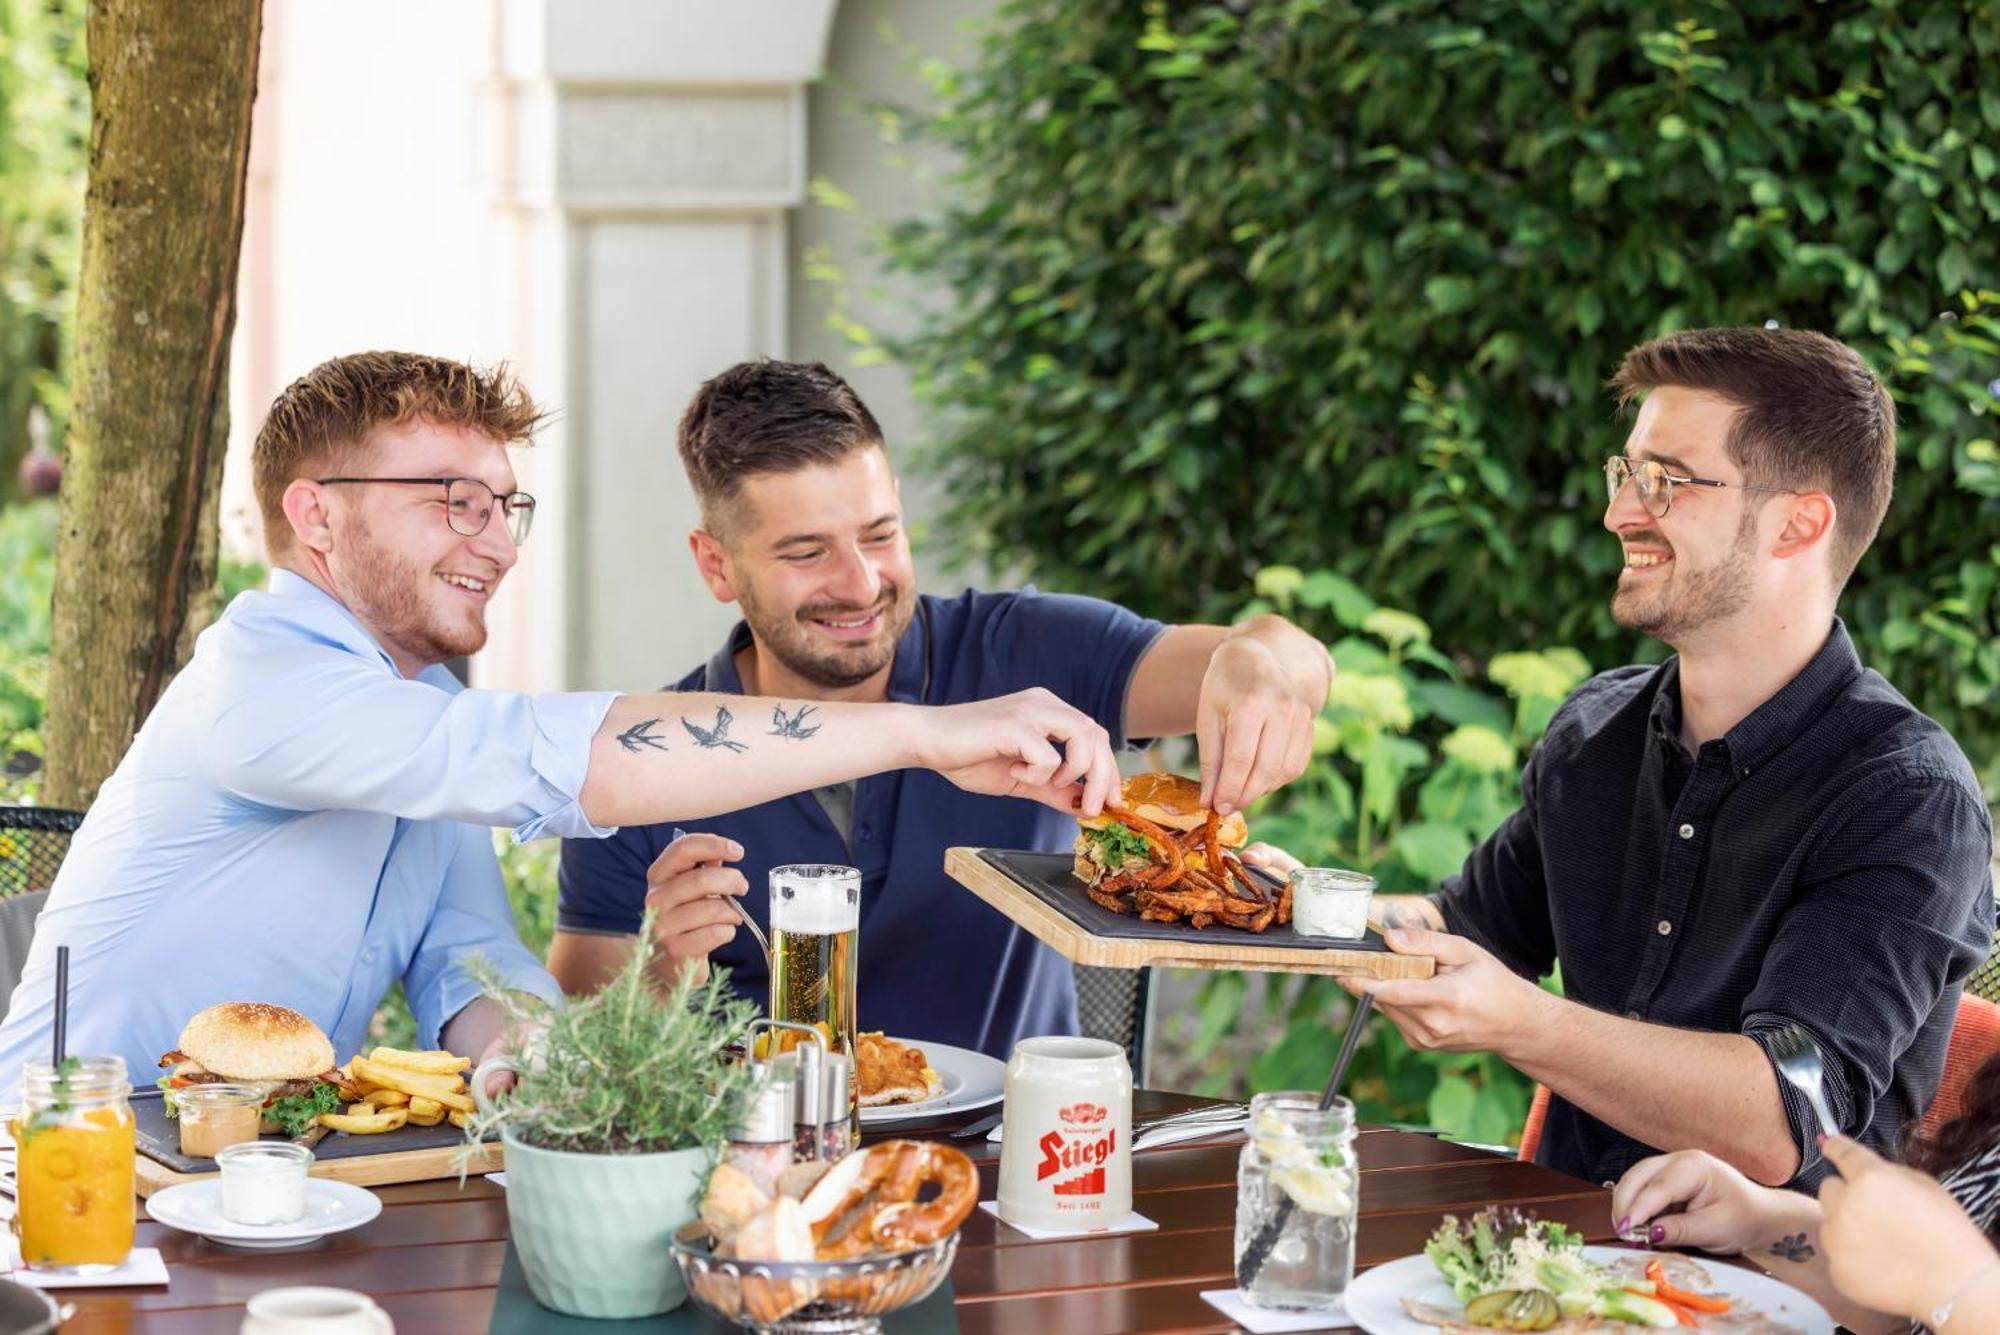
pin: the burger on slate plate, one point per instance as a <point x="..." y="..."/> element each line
<point x="256" y="1043"/>
<point x="1158" y="852"/>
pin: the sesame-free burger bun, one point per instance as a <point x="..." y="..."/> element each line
<point x="1172" y="801"/>
<point x="254" y="1040"/>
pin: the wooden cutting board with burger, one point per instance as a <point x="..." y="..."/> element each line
<point x="1157" y="880"/>
<point x="244" y="1069"/>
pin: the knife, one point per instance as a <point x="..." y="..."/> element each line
<point x="978" y="1128"/>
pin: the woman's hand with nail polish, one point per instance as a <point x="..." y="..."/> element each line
<point x="1693" y="1199"/>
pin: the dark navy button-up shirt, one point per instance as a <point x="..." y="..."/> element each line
<point x="936" y="963"/>
<point x="1827" y="863"/>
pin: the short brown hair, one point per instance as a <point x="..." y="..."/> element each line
<point x="768" y="416"/>
<point x="1813" y="416"/>
<point x="332" y="410"/>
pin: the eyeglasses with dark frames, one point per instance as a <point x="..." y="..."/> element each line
<point x="468" y="503"/>
<point x="1655" y="483"/>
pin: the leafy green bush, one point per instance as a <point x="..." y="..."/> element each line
<point x="44" y="121"/>
<point x="1338" y="284"/>
<point x="1414" y="761"/>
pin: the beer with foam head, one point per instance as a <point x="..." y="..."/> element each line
<point x="815" y="926"/>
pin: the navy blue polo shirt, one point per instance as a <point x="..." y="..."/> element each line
<point x="936" y="963"/>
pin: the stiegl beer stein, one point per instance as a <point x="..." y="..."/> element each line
<point x="1066" y="1153"/>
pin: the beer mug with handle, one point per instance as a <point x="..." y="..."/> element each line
<point x="1066" y="1152"/>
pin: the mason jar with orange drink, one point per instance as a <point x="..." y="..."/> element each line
<point x="74" y="1136"/>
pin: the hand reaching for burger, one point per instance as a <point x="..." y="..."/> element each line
<point x="1254" y="721"/>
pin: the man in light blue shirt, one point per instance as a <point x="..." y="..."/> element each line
<point x="303" y="817"/>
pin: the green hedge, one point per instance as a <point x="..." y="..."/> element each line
<point x="44" y="121"/>
<point x="1337" y="284"/>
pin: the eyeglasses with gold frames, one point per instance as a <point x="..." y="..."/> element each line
<point x="1655" y="483"/>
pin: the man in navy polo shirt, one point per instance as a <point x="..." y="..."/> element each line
<point x="802" y="526"/>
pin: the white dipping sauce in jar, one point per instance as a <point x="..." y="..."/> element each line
<point x="264" y="1182"/>
<point x="1331" y="902"/>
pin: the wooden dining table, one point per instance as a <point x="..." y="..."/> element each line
<point x="433" y="1258"/>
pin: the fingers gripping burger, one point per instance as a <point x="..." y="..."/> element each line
<point x="255" y="1043"/>
<point x="1108" y="846"/>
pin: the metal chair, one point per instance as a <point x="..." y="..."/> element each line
<point x="1985" y="980"/>
<point x="1112" y="1004"/>
<point x="33" y="843"/>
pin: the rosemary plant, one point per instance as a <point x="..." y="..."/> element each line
<point x="633" y="1069"/>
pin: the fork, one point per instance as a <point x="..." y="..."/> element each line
<point x="763" y="943"/>
<point x="1799" y="1062"/>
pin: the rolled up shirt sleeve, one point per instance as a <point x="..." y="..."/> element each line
<point x="1893" y="913"/>
<point x="472" y="920"/>
<point x="335" y="731"/>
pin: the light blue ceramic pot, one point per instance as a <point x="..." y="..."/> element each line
<point x="593" y="1230"/>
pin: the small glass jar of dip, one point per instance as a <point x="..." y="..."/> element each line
<point x="214" y="1117"/>
<point x="264" y="1182"/>
<point x="1331" y="902"/>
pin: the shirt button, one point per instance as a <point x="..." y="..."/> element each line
<point x="1609" y="1184"/>
<point x="1634" y="1015"/>
<point x="1687" y="831"/>
<point x="1665" y="928"/>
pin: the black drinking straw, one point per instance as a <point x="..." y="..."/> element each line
<point x="62" y="1000"/>
<point x="1259" y="1250"/>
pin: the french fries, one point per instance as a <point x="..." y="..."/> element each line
<point x="401" y="1088"/>
<point x="447" y="1090"/>
<point x="424" y="1063"/>
<point x="387" y="1120"/>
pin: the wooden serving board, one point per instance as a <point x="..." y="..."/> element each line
<point x="1038" y="891"/>
<point x="407" y="1154"/>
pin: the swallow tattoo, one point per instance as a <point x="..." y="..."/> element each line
<point x="641" y="734"/>
<point x="717" y="735"/>
<point x="792" y="725"/>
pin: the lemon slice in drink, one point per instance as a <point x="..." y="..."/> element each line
<point x="1315" y="1190"/>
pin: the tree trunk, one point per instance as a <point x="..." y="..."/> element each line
<point x="171" y="91"/>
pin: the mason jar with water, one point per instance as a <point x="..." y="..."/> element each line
<point x="1297" y="1174"/>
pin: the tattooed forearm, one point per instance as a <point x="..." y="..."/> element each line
<point x="641" y="734"/>
<point x="1793" y="1248"/>
<point x="792" y="725"/>
<point x="715" y="736"/>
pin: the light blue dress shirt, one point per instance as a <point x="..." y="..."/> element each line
<point x="298" y="823"/>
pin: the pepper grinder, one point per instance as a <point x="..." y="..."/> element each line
<point x="836" y="1109"/>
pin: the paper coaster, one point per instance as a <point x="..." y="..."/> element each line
<point x="497" y="1179"/>
<point x="1131" y="1223"/>
<point x="143" y="1266"/>
<point x="1263" y="1320"/>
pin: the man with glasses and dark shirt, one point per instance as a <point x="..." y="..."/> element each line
<point x="802" y="526"/>
<point x="1757" y="834"/>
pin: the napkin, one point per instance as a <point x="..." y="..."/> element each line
<point x="1131" y="1223"/>
<point x="143" y="1266"/>
<point x="1261" y="1320"/>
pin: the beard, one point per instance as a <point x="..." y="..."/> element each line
<point x="787" y="637"/>
<point x="1688" y="601"/>
<point x="391" y="594"/>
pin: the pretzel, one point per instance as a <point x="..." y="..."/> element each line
<point x="869" y="1201"/>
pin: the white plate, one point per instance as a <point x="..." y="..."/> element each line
<point x="331" y="1207"/>
<point x="1375" y="1299"/>
<point x="971" y="1080"/>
